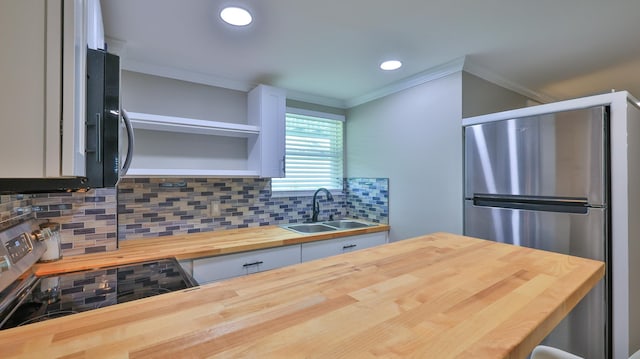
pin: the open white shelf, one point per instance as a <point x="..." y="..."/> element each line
<point x="170" y="146"/>
<point x="164" y="172"/>
<point x="146" y="121"/>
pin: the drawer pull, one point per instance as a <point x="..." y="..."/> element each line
<point x="252" y="264"/>
<point x="349" y="246"/>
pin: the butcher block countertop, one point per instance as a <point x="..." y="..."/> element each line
<point x="195" y="245"/>
<point x="435" y="296"/>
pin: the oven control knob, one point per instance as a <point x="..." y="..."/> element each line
<point x="5" y="264"/>
<point x="41" y="234"/>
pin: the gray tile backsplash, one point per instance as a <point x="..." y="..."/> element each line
<point x="13" y="209"/>
<point x="88" y="219"/>
<point x="158" y="207"/>
<point x="94" y="221"/>
<point x="368" y="198"/>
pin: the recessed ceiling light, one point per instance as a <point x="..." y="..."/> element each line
<point x="391" y="65"/>
<point x="236" y="16"/>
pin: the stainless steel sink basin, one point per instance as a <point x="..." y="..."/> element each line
<point x="346" y="224"/>
<point x="306" y="228"/>
<point x="309" y="228"/>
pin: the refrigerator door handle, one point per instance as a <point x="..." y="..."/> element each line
<point x="533" y="203"/>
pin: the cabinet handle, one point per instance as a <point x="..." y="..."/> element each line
<point x="252" y="264"/>
<point x="349" y="246"/>
<point x="99" y="137"/>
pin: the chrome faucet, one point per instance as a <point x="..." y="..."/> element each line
<point x="316" y="205"/>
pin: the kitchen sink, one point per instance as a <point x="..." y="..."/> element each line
<point x="309" y="228"/>
<point x="346" y="224"/>
<point x="328" y="226"/>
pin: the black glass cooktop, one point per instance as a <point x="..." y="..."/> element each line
<point x="57" y="296"/>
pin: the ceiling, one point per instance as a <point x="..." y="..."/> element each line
<point x="330" y="50"/>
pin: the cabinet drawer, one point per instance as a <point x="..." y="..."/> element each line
<point x="322" y="249"/>
<point x="233" y="265"/>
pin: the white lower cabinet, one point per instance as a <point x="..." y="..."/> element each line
<point x="211" y="269"/>
<point x="321" y="249"/>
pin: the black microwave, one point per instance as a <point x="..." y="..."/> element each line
<point x="103" y="119"/>
<point x="102" y="136"/>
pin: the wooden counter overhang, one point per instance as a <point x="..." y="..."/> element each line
<point x="195" y="245"/>
<point x="435" y="296"/>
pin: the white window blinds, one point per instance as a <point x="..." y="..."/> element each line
<point x="313" y="154"/>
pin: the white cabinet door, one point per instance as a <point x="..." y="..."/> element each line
<point x="74" y="79"/>
<point x="233" y="265"/>
<point x="34" y="68"/>
<point x="332" y="247"/>
<point x="267" y="109"/>
<point x="23" y="70"/>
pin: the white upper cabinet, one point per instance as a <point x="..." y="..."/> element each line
<point x="42" y="92"/>
<point x="205" y="131"/>
<point x="267" y="109"/>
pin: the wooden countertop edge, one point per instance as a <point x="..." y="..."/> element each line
<point x="575" y="295"/>
<point x="195" y="245"/>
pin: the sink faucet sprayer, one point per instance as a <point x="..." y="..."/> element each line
<point x="316" y="205"/>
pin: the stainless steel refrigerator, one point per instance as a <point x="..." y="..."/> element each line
<point x="543" y="182"/>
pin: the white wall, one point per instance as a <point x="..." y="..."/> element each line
<point x="169" y="97"/>
<point x="414" y="138"/>
<point x="480" y="97"/>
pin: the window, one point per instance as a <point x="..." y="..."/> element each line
<point x="314" y="153"/>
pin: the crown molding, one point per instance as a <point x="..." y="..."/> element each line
<point x="316" y="100"/>
<point x="501" y="81"/>
<point x="431" y="74"/>
<point x="434" y="73"/>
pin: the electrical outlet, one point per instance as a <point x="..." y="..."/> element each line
<point x="214" y="209"/>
